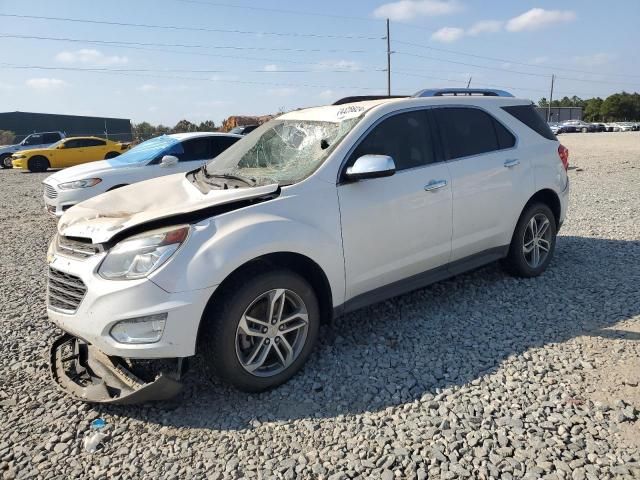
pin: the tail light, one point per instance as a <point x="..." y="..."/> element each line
<point x="563" y="153"/>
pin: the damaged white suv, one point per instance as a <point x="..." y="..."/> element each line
<point x="318" y="212"/>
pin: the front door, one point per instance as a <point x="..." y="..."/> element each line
<point x="398" y="227"/>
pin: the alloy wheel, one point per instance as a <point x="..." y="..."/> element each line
<point x="272" y="332"/>
<point x="537" y="239"/>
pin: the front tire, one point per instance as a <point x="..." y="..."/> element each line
<point x="261" y="330"/>
<point x="38" y="164"/>
<point x="5" y="161"/>
<point x="533" y="242"/>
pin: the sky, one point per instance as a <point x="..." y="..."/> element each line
<point x="165" y="60"/>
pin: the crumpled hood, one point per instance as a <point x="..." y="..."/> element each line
<point x="79" y="172"/>
<point x="103" y="216"/>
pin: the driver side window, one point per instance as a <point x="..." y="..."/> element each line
<point x="404" y="137"/>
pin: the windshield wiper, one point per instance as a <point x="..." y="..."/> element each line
<point x="227" y="176"/>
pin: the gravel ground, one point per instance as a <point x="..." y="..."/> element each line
<point x="481" y="376"/>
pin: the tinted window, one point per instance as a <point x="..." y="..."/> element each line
<point x="505" y="137"/>
<point x="196" y="149"/>
<point x="51" y="137"/>
<point x="404" y="137"/>
<point x="466" y="131"/>
<point x="220" y="144"/>
<point x="33" y="140"/>
<point x="92" y="142"/>
<point x="528" y="115"/>
<point x="73" y="143"/>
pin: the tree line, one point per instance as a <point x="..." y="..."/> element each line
<point x="144" y="130"/>
<point x="617" y="107"/>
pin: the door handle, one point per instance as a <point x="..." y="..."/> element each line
<point x="435" y="185"/>
<point x="511" y="163"/>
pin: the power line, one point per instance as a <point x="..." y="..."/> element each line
<point x="143" y="74"/>
<point x="408" y="74"/>
<point x="278" y="10"/>
<point x="178" y="70"/>
<point x="515" y="62"/>
<point x="473" y="65"/>
<point x="183" y="28"/>
<point x="517" y="72"/>
<point x="180" y="45"/>
<point x="127" y="46"/>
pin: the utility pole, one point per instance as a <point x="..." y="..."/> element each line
<point x="388" y="60"/>
<point x="550" y="98"/>
<point x="469" y="82"/>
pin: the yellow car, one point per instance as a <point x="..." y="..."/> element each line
<point x="68" y="152"/>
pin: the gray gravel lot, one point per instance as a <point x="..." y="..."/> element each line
<point x="481" y="376"/>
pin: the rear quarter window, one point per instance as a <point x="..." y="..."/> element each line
<point x="528" y="115"/>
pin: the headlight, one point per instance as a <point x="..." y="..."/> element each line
<point x="138" y="256"/>
<point x="89" y="182"/>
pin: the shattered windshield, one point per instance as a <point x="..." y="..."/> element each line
<point x="280" y="151"/>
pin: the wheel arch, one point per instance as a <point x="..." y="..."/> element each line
<point x="550" y="199"/>
<point x="119" y="185"/>
<point x="296" y="262"/>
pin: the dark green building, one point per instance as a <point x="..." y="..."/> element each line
<point x="24" y="123"/>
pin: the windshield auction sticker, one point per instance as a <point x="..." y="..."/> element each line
<point x="350" y="111"/>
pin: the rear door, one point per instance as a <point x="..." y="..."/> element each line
<point x="489" y="179"/>
<point x="93" y="149"/>
<point x="396" y="228"/>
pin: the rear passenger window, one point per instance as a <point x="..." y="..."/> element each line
<point x="404" y="137"/>
<point x="471" y="131"/>
<point x="505" y="137"/>
<point x="92" y="142"/>
<point x="528" y="115"/>
<point x="220" y="143"/>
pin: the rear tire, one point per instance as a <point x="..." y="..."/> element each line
<point x="252" y="356"/>
<point x="5" y="161"/>
<point x="585" y="130"/>
<point x="111" y="155"/>
<point x="38" y="164"/>
<point x="533" y="242"/>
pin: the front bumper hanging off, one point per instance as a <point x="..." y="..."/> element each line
<point x="86" y="373"/>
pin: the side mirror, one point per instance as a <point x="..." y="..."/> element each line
<point x="168" y="161"/>
<point x="371" y="166"/>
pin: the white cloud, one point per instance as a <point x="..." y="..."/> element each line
<point x="348" y="65"/>
<point x="447" y="34"/>
<point x="281" y="92"/>
<point x="150" y="87"/>
<point x="327" y="94"/>
<point x="6" y="86"/>
<point x="403" y="10"/>
<point x="538" y="18"/>
<point x="595" y="60"/>
<point x="90" y="56"/>
<point x="271" y="68"/>
<point x="485" y="26"/>
<point x="45" y="83"/>
<point x="539" y="60"/>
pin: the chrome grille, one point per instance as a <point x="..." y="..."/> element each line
<point x="75" y="248"/>
<point x="49" y="191"/>
<point x="64" y="291"/>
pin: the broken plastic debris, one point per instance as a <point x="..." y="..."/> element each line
<point x="98" y="424"/>
<point x="93" y="441"/>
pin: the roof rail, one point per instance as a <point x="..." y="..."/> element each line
<point x="364" y="98"/>
<point x="442" y="92"/>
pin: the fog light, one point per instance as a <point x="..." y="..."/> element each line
<point x="146" y="329"/>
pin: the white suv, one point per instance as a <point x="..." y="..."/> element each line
<point x="317" y="212"/>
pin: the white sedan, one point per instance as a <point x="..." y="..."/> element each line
<point x="157" y="157"/>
